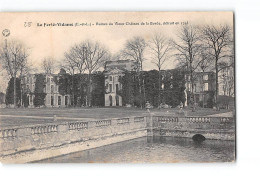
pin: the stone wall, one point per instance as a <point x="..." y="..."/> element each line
<point x="222" y="128"/>
<point x="37" y="142"/>
<point x="30" y="143"/>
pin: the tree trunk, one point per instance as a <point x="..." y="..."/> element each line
<point x="216" y="91"/>
<point x="144" y="90"/>
<point x="159" y="96"/>
<point x="140" y="90"/>
<point x="15" y="91"/>
<point x="192" y="91"/>
<point x="21" y="99"/>
<point x="73" y="95"/>
<point x="15" y="81"/>
<point x="89" y="89"/>
<point x="142" y="86"/>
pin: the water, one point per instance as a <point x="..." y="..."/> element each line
<point x="155" y="150"/>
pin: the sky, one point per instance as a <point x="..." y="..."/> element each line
<point x="52" y="41"/>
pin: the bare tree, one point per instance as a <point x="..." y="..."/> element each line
<point x="219" y="46"/>
<point x="161" y="51"/>
<point x="188" y="49"/>
<point x="75" y="63"/>
<point x="14" y="60"/>
<point x="96" y="55"/>
<point x="70" y="66"/>
<point x="205" y="63"/>
<point x="48" y="65"/>
<point x="67" y="64"/>
<point x="134" y="49"/>
<point x="76" y="58"/>
<point x="117" y="56"/>
<point x="88" y="57"/>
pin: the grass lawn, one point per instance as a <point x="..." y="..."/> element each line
<point x="16" y="117"/>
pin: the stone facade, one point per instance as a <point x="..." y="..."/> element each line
<point x="227" y="82"/>
<point x="204" y="83"/>
<point x="114" y="70"/>
<point x="217" y="128"/>
<point x="52" y="99"/>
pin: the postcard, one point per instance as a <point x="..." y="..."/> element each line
<point x="117" y="87"/>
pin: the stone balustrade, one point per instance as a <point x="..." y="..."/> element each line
<point x="25" y="138"/>
<point x="199" y="120"/>
<point x="103" y="123"/>
<point x="194" y="122"/>
<point x="22" y="139"/>
<point x="78" y="125"/>
<point x="211" y="127"/>
<point x="167" y="119"/>
<point x="227" y="120"/>
<point x="44" y="129"/>
<point x="123" y="121"/>
<point x="138" y="119"/>
<point x="8" y="133"/>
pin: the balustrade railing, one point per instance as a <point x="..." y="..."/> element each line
<point x="196" y="122"/>
<point x="44" y="129"/>
<point x="138" y="119"/>
<point x="122" y="121"/>
<point x="8" y="133"/>
<point x="226" y="120"/>
<point x="199" y="119"/>
<point x="103" y="123"/>
<point x="75" y="130"/>
<point x="78" y="125"/>
<point x="168" y="119"/>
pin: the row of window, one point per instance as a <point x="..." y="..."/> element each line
<point x="32" y="79"/>
<point x="59" y="101"/>
<point x="29" y="80"/>
<point x="52" y="88"/>
<point x="163" y="76"/>
<point x="44" y="89"/>
<point x="116" y="78"/>
<point x="31" y="97"/>
<point x="50" y="79"/>
<point x="110" y="87"/>
<point x="32" y="88"/>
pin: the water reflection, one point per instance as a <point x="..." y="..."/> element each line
<point x="154" y="149"/>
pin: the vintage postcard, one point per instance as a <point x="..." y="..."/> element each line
<point x="117" y="87"/>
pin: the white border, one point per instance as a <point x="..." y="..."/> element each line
<point x="247" y="28"/>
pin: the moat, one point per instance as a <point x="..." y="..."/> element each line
<point x="153" y="149"/>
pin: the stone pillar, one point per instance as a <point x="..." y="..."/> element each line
<point x="63" y="128"/>
<point x="21" y="132"/>
<point x="149" y="124"/>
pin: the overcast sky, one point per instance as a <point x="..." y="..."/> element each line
<point x="54" y="41"/>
